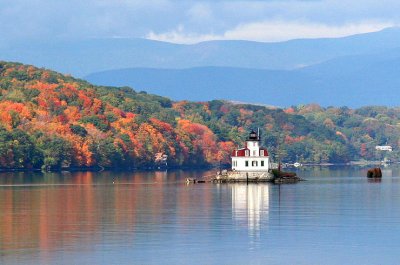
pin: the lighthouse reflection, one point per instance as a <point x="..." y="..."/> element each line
<point x="250" y="205"/>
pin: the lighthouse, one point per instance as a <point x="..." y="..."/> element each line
<point x="251" y="158"/>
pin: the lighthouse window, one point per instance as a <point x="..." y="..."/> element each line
<point x="247" y="163"/>
<point x="262" y="152"/>
<point x="254" y="163"/>
<point x="247" y="152"/>
<point x="262" y="163"/>
<point x="254" y="153"/>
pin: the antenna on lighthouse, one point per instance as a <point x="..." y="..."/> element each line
<point x="258" y="133"/>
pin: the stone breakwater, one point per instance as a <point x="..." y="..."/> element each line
<point x="225" y="176"/>
<point x="236" y="176"/>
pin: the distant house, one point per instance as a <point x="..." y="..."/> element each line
<point x="160" y="160"/>
<point x="384" y="148"/>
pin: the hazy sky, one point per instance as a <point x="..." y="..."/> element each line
<point x="193" y="21"/>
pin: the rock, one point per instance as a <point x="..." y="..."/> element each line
<point x="282" y="174"/>
<point x="191" y="180"/>
<point x="281" y="177"/>
<point x="374" y="173"/>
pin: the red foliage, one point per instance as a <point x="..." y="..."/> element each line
<point x="203" y="139"/>
<point x="224" y="109"/>
<point x="363" y="150"/>
<point x="163" y="126"/>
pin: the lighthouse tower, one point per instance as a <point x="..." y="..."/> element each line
<point x="251" y="158"/>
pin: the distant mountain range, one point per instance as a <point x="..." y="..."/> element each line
<point x="347" y="81"/>
<point x="354" y="71"/>
<point x="82" y="57"/>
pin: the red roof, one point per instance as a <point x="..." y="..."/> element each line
<point x="265" y="151"/>
<point x="242" y="152"/>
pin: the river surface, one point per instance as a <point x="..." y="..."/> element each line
<point x="336" y="217"/>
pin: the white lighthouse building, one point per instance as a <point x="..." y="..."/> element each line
<point x="251" y="158"/>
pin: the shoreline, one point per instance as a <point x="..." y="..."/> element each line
<point x="112" y="169"/>
<point x="202" y="167"/>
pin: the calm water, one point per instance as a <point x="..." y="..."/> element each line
<point x="336" y="217"/>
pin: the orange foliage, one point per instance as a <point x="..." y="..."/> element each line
<point x="96" y="107"/>
<point x="244" y="112"/>
<point x="8" y="111"/>
<point x="202" y="137"/>
<point x="206" y="108"/>
<point x="292" y="140"/>
<point x="163" y="126"/>
<point x="180" y="106"/>
<point x="224" y="151"/>
<point x="94" y="132"/>
<point x="72" y="114"/>
<point x="119" y="113"/>
<point x="56" y="106"/>
<point x="311" y="108"/>
<point x="342" y="135"/>
<point x="86" y="101"/>
<point x="329" y="123"/>
<point x="289" y="110"/>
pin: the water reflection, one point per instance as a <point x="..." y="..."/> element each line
<point x="54" y="211"/>
<point x="44" y="217"/>
<point x="374" y="180"/>
<point x="250" y="205"/>
<point x="387" y="172"/>
<point x="74" y="218"/>
<point x="80" y="210"/>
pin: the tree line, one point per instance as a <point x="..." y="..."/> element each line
<point x="49" y="120"/>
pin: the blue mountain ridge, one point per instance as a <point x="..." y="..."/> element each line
<point x="353" y="81"/>
<point x="82" y="57"/>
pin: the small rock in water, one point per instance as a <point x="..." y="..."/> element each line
<point x="374" y="173"/>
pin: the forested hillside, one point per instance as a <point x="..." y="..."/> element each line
<point x="56" y="121"/>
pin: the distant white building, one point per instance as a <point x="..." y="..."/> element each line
<point x="252" y="157"/>
<point x="384" y="148"/>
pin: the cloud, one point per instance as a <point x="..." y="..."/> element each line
<point x="200" y="12"/>
<point x="180" y="36"/>
<point x="193" y="20"/>
<point x="272" y="31"/>
<point x="44" y="19"/>
<point x="282" y="30"/>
